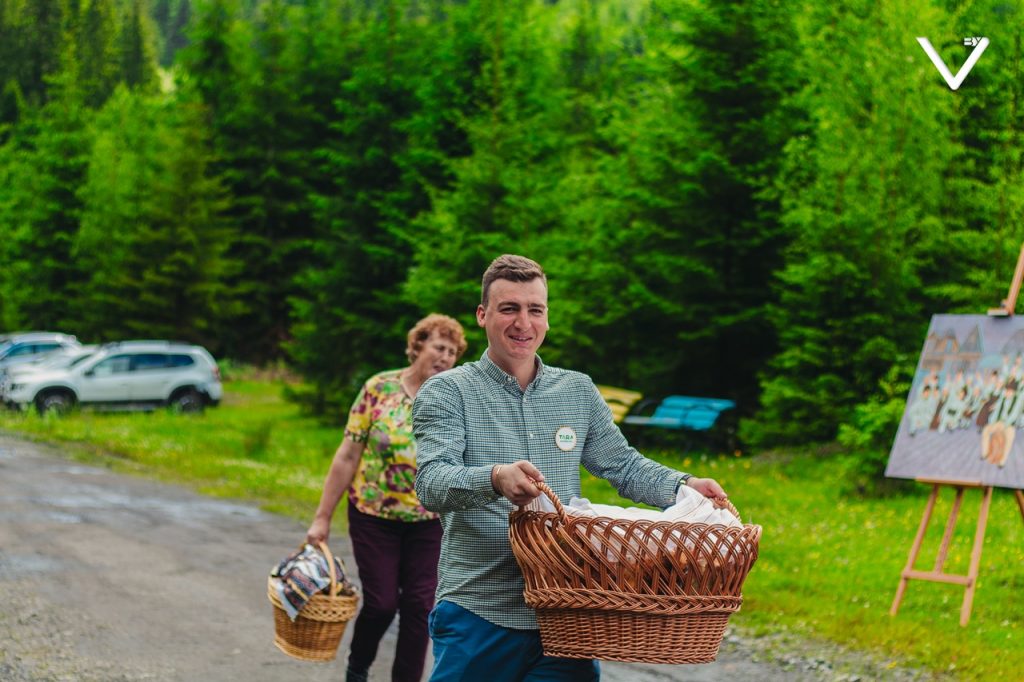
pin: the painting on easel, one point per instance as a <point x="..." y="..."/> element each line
<point x="966" y="404"/>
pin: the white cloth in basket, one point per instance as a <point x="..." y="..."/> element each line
<point x="690" y="507"/>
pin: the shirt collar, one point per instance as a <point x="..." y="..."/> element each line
<point x="504" y="378"/>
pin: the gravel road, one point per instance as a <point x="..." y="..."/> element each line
<point x="113" y="578"/>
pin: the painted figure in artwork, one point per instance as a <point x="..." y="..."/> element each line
<point x="996" y="441"/>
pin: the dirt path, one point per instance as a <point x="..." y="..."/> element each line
<point x="105" y="577"/>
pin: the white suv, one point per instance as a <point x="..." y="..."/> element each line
<point x="124" y="375"/>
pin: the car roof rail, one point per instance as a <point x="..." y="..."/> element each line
<point x="37" y="332"/>
<point x="27" y="337"/>
<point x="149" y="342"/>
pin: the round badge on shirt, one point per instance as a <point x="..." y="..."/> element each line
<point x="565" y="438"/>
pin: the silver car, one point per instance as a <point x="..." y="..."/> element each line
<point x="126" y="375"/>
<point x="58" y="359"/>
<point x="24" y="347"/>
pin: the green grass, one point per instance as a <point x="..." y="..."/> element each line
<point x="828" y="567"/>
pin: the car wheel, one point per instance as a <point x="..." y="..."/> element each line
<point x="54" y="403"/>
<point x="189" y="401"/>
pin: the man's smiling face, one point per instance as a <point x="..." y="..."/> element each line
<point x="516" y="320"/>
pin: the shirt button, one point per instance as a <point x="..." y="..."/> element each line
<point x="531" y="435"/>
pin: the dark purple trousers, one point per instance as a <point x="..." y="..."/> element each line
<point x="397" y="563"/>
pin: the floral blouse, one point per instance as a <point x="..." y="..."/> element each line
<point x="381" y="417"/>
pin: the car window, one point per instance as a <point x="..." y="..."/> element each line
<point x="116" y="364"/>
<point x="180" y="360"/>
<point x="79" y="360"/>
<point x="22" y="349"/>
<point x="147" y="361"/>
<point x="46" y="347"/>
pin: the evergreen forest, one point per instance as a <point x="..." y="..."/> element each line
<point x="758" y="200"/>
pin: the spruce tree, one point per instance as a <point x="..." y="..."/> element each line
<point x="500" y="196"/>
<point x="41" y="43"/>
<point x="43" y="164"/>
<point x="154" y="235"/>
<point x="175" y="37"/>
<point x="862" y="193"/>
<point x="349" y="322"/>
<point x="98" y="58"/>
<point x="8" y="46"/>
<point x="136" y="48"/>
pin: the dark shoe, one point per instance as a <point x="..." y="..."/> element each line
<point x="357" y="676"/>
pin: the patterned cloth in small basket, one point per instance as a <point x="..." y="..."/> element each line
<point x="315" y="631"/>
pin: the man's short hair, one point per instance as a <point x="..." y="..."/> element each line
<point x="445" y="326"/>
<point x="514" y="269"/>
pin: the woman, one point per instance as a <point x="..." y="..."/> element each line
<point x="395" y="540"/>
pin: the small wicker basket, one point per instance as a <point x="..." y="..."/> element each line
<point x="637" y="591"/>
<point x="316" y="632"/>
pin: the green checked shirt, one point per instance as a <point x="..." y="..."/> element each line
<point x="472" y="417"/>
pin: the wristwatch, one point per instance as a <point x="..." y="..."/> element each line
<point x="682" y="480"/>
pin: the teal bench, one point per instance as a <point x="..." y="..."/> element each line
<point x="682" y="412"/>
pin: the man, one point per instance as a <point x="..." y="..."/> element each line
<point x="485" y="432"/>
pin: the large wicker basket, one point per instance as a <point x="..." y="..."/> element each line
<point x="316" y="632"/>
<point x="638" y="591"/>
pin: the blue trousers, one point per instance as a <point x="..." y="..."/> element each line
<point x="468" y="648"/>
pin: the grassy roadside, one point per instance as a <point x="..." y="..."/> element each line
<point x="828" y="568"/>
<point x="255" y="446"/>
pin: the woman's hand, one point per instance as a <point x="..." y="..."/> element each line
<point x="318" y="531"/>
<point x="339" y="478"/>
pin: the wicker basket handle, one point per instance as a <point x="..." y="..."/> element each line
<point x="330" y="566"/>
<point x="544" y="488"/>
<point x="733" y="510"/>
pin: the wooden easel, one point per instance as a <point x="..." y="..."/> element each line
<point x="1009" y="304"/>
<point x="937" y="574"/>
